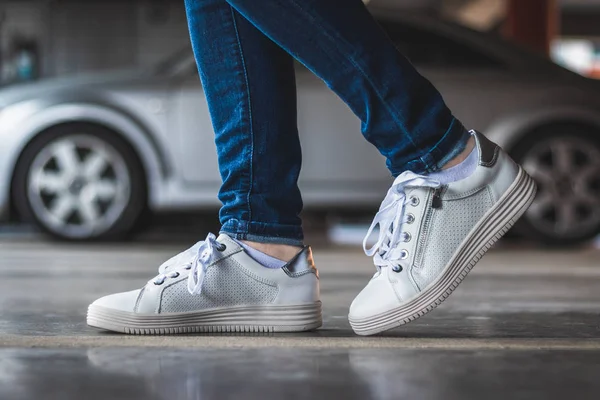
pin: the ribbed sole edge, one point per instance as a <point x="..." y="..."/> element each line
<point x="252" y="319"/>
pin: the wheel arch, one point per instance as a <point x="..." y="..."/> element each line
<point x="152" y="159"/>
<point x="550" y="124"/>
<point x="509" y="132"/>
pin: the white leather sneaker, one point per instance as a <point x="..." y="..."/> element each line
<point x="216" y="287"/>
<point x="432" y="235"/>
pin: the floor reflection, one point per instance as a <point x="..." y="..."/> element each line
<point x="380" y="374"/>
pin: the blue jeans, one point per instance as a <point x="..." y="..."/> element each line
<point x="245" y="52"/>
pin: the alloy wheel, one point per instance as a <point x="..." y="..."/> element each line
<point x="78" y="185"/>
<point x="567" y="171"/>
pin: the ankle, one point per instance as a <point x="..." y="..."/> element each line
<point x="462" y="156"/>
<point x="282" y="252"/>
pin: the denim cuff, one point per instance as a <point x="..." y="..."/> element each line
<point x="450" y="145"/>
<point x="264" y="232"/>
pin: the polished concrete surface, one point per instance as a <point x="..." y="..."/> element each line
<point x="525" y="324"/>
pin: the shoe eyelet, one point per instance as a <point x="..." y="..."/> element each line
<point x="174" y="275"/>
<point x="410" y="218"/>
<point x="397" y="268"/>
<point x="222" y="247"/>
<point x="188" y="267"/>
<point x="414" y="201"/>
<point x="406" y="237"/>
<point x="404" y="254"/>
<point x="158" y="283"/>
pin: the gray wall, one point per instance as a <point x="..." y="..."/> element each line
<point x="96" y="35"/>
<point x="77" y="36"/>
<point x="80" y="36"/>
<point x="90" y="35"/>
<point x="162" y="30"/>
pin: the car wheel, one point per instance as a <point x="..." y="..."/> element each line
<point x="564" y="160"/>
<point x="80" y="182"/>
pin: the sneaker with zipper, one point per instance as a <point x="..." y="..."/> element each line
<point x="431" y="236"/>
<point x="216" y="287"/>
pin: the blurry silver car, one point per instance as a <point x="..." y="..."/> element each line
<point x="84" y="157"/>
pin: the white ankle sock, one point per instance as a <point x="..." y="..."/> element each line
<point x="263" y="259"/>
<point x="458" y="172"/>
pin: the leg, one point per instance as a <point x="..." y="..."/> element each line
<point x="402" y="114"/>
<point x="432" y="229"/>
<point x="249" y="83"/>
<point x="216" y="285"/>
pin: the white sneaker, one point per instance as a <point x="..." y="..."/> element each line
<point x="432" y="235"/>
<point x="216" y="287"/>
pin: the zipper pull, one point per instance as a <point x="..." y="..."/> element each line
<point x="437" y="198"/>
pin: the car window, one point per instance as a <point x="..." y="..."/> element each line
<point x="429" y="49"/>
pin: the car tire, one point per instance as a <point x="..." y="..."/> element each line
<point x="80" y="182"/>
<point x="564" y="159"/>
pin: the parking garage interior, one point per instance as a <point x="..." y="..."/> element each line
<point x="525" y="324"/>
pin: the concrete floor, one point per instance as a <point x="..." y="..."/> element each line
<point x="525" y="324"/>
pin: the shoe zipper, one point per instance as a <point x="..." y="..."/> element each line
<point x="434" y="201"/>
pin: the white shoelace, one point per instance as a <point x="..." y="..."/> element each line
<point x="391" y="218"/>
<point x="196" y="259"/>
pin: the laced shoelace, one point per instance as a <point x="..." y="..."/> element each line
<point x="196" y="259"/>
<point x="391" y="218"/>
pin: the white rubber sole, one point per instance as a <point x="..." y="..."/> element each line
<point x="279" y="318"/>
<point x="494" y="224"/>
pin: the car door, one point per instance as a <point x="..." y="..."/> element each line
<point x="338" y="164"/>
<point x="194" y="135"/>
<point x="340" y="167"/>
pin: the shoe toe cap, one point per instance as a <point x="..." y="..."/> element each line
<point x="376" y="298"/>
<point x="119" y="301"/>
